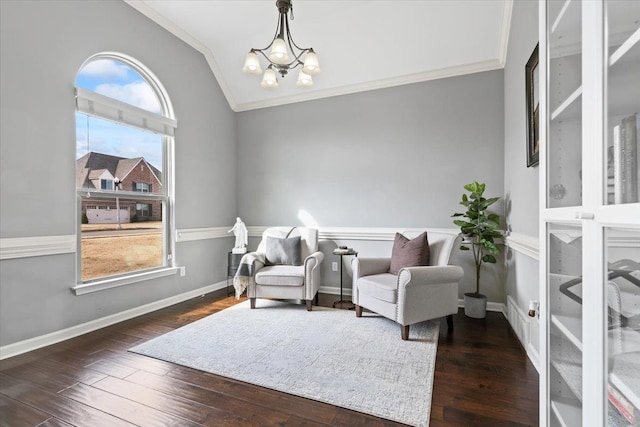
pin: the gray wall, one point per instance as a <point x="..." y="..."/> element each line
<point x="43" y="44"/>
<point x="520" y="183"/>
<point x="396" y="157"/>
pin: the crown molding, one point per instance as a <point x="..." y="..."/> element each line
<point x="504" y="32"/>
<point x="186" y="37"/>
<point x="477" y="67"/>
<point x="459" y="70"/>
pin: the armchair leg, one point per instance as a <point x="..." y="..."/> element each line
<point x="253" y="302"/>
<point x="309" y="304"/>
<point x="358" y="311"/>
<point x="450" y="322"/>
<point x="405" y="332"/>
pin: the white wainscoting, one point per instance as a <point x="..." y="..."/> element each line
<point x="517" y="317"/>
<point x="20" y="347"/>
<point x="11" y="248"/>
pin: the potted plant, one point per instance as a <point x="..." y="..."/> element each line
<point x="479" y="230"/>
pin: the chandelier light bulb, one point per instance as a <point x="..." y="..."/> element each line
<point x="279" y="53"/>
<point x="304" y="80"/>
<point x="269" y="80"/>
<point x="252" y="64"/>
<point x="311" y="66"/>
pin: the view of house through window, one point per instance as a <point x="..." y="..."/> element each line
<point x="121" y="162"/>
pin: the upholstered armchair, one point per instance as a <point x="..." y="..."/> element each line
<point x="415" y="294"/>
<point x="282" y="281"/>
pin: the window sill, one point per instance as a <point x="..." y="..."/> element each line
<point x="101" y="285"/>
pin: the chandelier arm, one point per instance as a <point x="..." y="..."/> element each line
<point x="290" y="39"/>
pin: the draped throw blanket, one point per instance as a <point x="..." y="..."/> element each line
<point x="254" y="261"/>
<point x="245" y="275"/>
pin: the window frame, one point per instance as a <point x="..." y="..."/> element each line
<point x="94" y="104"/>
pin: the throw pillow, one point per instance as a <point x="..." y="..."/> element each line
<point x="409" y="253"/>
<point x="283" y="251"/>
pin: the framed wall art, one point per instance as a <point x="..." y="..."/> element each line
<point x="532" y="81"/>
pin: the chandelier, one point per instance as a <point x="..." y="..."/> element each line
<point x="285" y="54"/>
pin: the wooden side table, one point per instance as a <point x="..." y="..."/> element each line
<point x="342" y="303"/>
<point x="233" y="262"/>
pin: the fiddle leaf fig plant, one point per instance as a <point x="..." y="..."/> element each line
<point x="480" y="227"/>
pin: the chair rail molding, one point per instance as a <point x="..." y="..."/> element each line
<point x="359" y="233"/>
<point x="526" y="245"/>
<point x="190" y="234"/>
<point x="25" y="247"/>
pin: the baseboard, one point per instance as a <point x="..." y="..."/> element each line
<point x="335" y="290"/>
<point x="521" y="324"/>
<point x="491" y="306"/>
<point x="534" y="356"/>
<point x="35" y="343"/>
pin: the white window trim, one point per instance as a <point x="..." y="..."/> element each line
<point x="97" y="105"/>
<point x="101" y="285"/>
<point x="163" y="124"/>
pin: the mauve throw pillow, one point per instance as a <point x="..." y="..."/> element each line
<point x="283" y="251"/>
<point x="409" y="253"/>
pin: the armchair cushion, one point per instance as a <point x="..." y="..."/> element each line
<point x="409" y="253"/>
<point x="283" y="251"/>
<point x="380" y="286"/>
<point x="281" y="275"/>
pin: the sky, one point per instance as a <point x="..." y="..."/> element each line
<point x="119" y="81"/>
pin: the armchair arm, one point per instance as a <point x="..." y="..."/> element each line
<point x="313" y="260"/>
<point x="312" y="274"/>
<point x="369" y="266"/>
<point x="258" y="260"/>
<point x="430" y="275"/>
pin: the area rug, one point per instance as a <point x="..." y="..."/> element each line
<point x="326" y="355"/>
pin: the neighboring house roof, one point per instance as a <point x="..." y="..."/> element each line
<point x="92" y="165"/>
<point x="95" y="174"/>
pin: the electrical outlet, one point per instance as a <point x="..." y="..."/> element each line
<point x="334" y="266"/>
<point x="183" y="271"/>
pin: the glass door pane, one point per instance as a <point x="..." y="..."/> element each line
<point x="623" y="101"/>
<point x="565" y="312"/>
<point x="564" y="151"/>
<point x="622" y="291"/>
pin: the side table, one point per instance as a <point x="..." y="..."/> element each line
<point x="342" y="303"/>
<point x="233" y="262"/>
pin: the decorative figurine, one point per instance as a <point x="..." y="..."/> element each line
<point x="240" y="231"/>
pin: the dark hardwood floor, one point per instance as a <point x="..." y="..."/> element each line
<point x="482" y="378"/>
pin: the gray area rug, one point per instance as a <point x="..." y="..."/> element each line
<point x="326" y="355"/>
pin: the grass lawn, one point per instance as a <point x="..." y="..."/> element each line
<point x="109" y="255"/>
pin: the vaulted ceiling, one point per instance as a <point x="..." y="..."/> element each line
<point x="361" y="45"/>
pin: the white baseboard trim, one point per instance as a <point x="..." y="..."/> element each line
<point x="534" y="356"/>
<point x="491" y="306"/>
<point x="521" y="324"/>
<point x="335" y="290"/>
<point x="35" y="343"/>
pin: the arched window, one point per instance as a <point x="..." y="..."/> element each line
<point x="124" y="168"/>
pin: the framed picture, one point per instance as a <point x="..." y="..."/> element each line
<point x="532" y="79"/>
